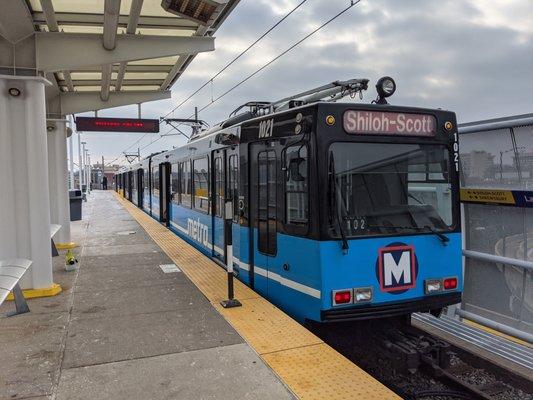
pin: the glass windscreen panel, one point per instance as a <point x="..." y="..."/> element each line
<point x="382" y="188"/>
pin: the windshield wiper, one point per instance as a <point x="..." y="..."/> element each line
<point x="443" y="238"/>
<point x="334" y="189"/>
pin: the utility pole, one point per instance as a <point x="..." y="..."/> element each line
<point x="103" y="174"/>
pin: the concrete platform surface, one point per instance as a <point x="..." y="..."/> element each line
<point x="123" y="329"/>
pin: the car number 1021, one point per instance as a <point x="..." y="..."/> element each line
<point x="456" y="151"/>
<point x="266" y="128"/>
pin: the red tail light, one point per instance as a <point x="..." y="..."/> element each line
<point x="450" y="283"/>
<point x="342" y="297"/>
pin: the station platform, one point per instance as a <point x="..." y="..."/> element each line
<point x="497" y="348"/>
<point x="123" y="328"/>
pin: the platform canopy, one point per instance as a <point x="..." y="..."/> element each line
<point x="107" y="53"/>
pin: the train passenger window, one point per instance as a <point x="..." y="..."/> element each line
<point x="185" y="184"/>
<point x="266" y="205"/>
<point x="174" y="184"/>
<point x="155" y="181"/>
<point x="201" y="184"/>
<point x="296" y="185"/>
<point x="233" y="184"/>
<point x="219" y="187"/>
<point x="146" y="179"/>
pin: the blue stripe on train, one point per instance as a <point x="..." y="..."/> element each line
<point x="301" y="276"/>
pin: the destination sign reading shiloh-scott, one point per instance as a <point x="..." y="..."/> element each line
<point x="389" y="123"/>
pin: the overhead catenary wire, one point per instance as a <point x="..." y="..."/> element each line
<point x="218" y="74"/>
<point x="352" y="4"/>
<point x="210" y="81"/>
<point x="257" y="71"/>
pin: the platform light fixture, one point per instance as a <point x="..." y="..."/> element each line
<point x="14" y="91"/>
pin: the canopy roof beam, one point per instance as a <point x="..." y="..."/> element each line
<point x="77" y="102"/>
<point x="111" y="14"/>
<point x="15" y="21"/>
<point x="135" y="12"/>
<point x="58" y="51"/>
<point x="75" y="19"/>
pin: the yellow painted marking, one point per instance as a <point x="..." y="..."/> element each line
<point x="320" y="372"/>
<point x="34" y="293"/>
<point x="497" y="333"/>
<point x="66" y="246"/>
<point x="309" y="367"/>
<point x="267" y="327"/>
<point x="487" y="196"/>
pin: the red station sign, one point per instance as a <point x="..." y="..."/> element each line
<point x="91" y="124"/>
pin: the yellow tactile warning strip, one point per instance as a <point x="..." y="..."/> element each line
<point x="310" y="368"/>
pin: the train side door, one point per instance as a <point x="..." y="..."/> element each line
<point x="263" y="210"/>
<point x="140" y="188"/>
<point x="128" y="188"/>
<point x="223" y="195"/>
<point x="164" y="180"/>
<point x="219" y="194"/>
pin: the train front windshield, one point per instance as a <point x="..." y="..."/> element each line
<point x="389" y="188"/>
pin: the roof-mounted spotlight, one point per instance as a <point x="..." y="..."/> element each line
<point x="14" y="91"/>
<point x="385" y="88"/>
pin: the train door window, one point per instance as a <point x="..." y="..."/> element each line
<point x="266" y="207"/>
<point x="147" y="186"/>
<point x="233" y="184"/>
<point x="219" y="186"/>
<point x="201" y="184"/>
<point x="296" y="185"/>
<point x="134" y="196"/>
<point x="185" y="184"/>
<point x="174" y="184"/>
<point x="155" y="181"/>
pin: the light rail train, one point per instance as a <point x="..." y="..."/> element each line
<point x="336" y="211"/>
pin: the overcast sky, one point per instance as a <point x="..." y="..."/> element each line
<point x="474" y="57"/>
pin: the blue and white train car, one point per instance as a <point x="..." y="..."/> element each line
<point x="337" y="211"/>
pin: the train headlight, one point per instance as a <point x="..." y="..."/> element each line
<point x="361" y="295"/>
<point x="433" y="286"/>
<point x="385" y="88"/>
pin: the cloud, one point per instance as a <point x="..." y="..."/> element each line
<point x="473" y="57"/>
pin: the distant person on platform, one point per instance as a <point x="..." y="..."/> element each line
<point x="104" y="183"/>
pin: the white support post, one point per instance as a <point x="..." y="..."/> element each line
<point x="57" y="175"/>
<point x="71" y="151"/>
<point x="24" y="197"/>
<point x="89" y="173"/>
<point x="80" y="163"/>
<point x="83" y="170"/>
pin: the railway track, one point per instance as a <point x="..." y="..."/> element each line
<point x="417" y="365"/>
